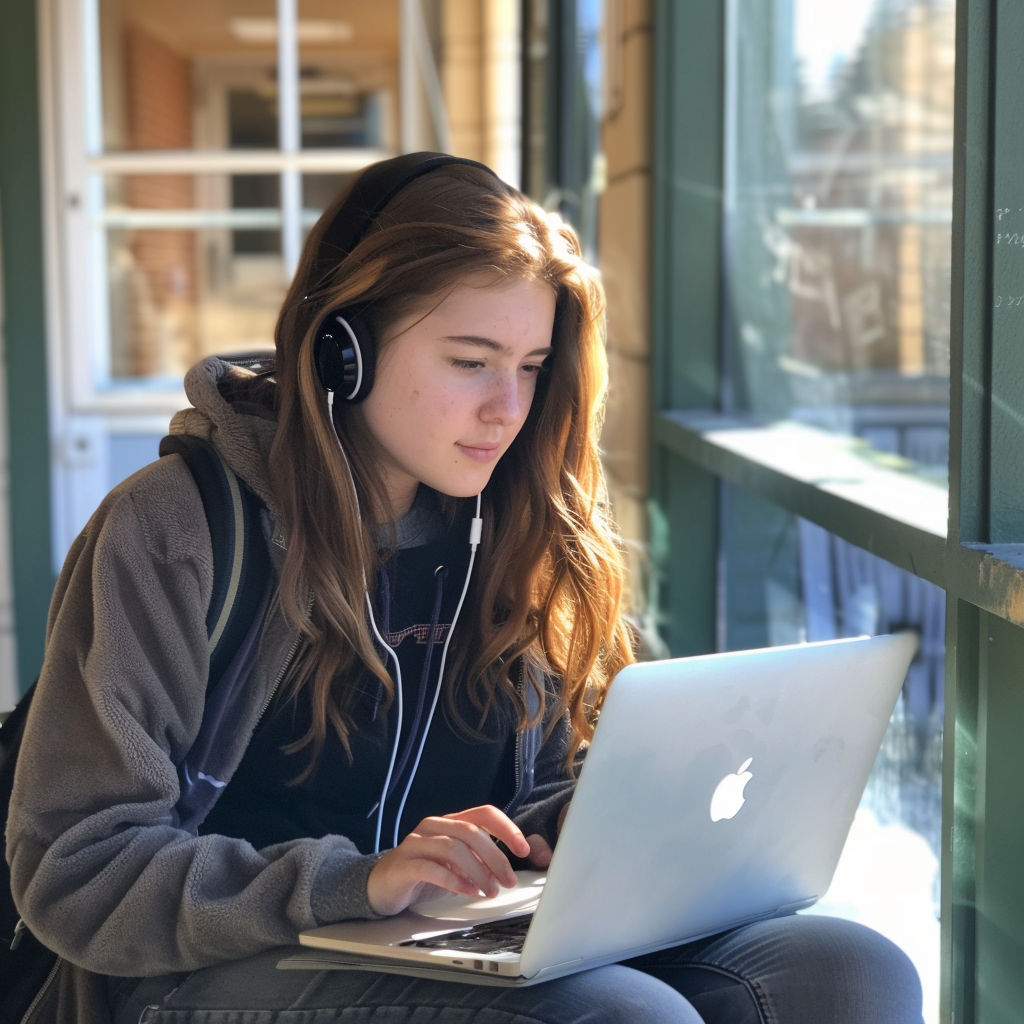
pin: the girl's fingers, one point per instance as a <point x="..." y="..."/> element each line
<point x="466" y="858"/>
<point x="432" y="872"/>
<point x="456" y="852"/>
<point x="498" y="824"/>
<point x="398" y="880"/>
<point x="476" y="839"/>
<point x="540" y="851"/>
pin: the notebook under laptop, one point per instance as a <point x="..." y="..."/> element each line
<point x="717" y="791"/>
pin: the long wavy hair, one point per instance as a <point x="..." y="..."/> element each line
<point x="548" y="585"/>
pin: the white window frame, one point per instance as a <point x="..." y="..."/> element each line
<point x="77" y="270"/>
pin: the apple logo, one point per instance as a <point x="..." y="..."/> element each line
<point x="728" y="796"/>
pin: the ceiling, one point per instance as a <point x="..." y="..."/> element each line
<point x="198" y="29"/>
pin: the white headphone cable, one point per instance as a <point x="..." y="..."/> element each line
<point x="380" y="640"/>
<point x="476" y="527"/>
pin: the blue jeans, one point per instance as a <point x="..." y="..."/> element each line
<point x="795" y="970"/>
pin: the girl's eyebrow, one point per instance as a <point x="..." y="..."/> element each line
<point x="489" y="343"/>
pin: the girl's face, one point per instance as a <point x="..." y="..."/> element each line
<point x="454" y="386"/>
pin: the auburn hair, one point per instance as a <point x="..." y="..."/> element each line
<point x="548" y="584"/>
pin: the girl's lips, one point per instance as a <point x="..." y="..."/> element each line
<point x="479" y="453"/>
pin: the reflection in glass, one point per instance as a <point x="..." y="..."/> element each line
<point x="784" y="580"/>
<point x="198" y="260"/>
<point x="319" y="191"/>
<point x="564" y="167"/>
<point x="176" y="296"/>
<point x="192" y="75"/>
<point x="348" y="73"/>
<point x="838" y="214"/>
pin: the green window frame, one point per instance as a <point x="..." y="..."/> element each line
<point x="24" y="305"/>
<point x="978" y="561"/>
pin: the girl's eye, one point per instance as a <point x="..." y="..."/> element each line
<point x="466" y="364"/>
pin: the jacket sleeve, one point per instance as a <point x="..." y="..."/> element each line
<point x="553" y="786"/>
<point x="101" y="871"/>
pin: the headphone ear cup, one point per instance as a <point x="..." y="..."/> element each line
<point x="345" y="353"/>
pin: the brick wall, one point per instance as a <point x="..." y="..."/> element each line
<point x="624" y="257"/>
<point x="159" y="319"/>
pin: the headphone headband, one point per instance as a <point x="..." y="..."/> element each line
<point x="345" y="349"/>
<point x="372" y="191"/>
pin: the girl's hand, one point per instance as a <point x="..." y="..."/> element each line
<point x="540" y="852"/>
<point x="455" y="852"/>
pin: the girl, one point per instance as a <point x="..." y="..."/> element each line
<point x="448" y="587"/>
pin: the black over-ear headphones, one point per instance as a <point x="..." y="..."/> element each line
<point x="345" y="350"/>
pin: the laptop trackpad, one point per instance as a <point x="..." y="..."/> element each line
<point x="508" y="903"/>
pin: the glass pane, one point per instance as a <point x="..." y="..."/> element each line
<point x="318" y="192"/>
<point x="538" y="171"/>
<point x="195" y="75"/>
<point x="838" y="218"/>
<point x="167" y="71"/>
<point x="564" y="82"/>
<point x="348" y="73"/>
<point x="785" y="580"/>
<point x="194" y="268"/>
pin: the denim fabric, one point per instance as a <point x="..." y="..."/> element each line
<point x="797" y="970"/>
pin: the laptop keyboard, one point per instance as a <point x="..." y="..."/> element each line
<point x="491" y="937"/>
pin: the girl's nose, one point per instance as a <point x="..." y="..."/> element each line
<point x="504" y="403"/>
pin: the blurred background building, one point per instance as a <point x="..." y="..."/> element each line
<point x="808" y="220"/>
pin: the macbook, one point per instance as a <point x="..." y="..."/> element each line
<point x="717" y="791"/>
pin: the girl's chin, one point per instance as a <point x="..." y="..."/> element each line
<point x="462" y="488"/>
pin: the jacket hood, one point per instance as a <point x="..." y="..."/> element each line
<point x="242" y="435"/>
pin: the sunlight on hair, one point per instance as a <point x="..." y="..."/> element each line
<point x="526" y="239"/>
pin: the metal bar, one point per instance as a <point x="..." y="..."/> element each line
<point x="861" y="218"/>
<point x="431" y="79"/>
<point x="197" y="219"/>
<point x="969" y="387"/>
<point x="848" y="499"/>
<point x="93" y="92"/>
<point x="885" y="511"/>
<point x="959" y="813"/>
<point x="407" y="78"/>
<point x="689" y="49"/>
<point x="254" y="161"/>
<point x="1004" y="244"/>
<point x="289" y="131"/>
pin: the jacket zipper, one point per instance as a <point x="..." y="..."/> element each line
<point x="519" y="743"/>
<point x="42" y="992"/>
<point x="284" y="668"/>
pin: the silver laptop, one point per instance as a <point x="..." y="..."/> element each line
<point x="717" y="791"/>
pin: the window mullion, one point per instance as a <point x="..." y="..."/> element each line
<point x="289" y="131"/>
<point x="1006" y="294"/>
<point x="93" y="78"/>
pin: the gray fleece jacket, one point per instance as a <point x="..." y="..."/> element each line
<point x="101" y="870"/>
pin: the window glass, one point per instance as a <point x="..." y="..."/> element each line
<point x="784" y="580"/>
<point x="177" y="294"/>
<point x="563" y="163"/>
<point x="348" y="73"/>
<point x="210" y="162"/>
<point x="198" y="75"/>
<point x="194" y="266"/>
<point x="838" y="214"/>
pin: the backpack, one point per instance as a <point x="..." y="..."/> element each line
<point x="241" y="577"/>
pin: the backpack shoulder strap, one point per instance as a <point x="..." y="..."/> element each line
<point x="241" y="575"/>
<point x="241" y="562"/>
